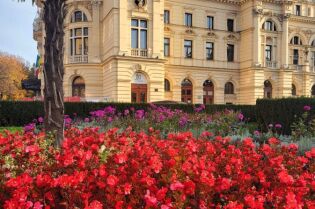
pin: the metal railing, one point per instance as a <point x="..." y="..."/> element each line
<point x="139" y="52"/>
<point x="78" y="59"/>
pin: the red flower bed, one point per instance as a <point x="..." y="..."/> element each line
<point x="130" y="170"/>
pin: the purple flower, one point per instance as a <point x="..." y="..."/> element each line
<point x="126" y="112"/>
<point x="68" y="121"/>
<point x="109" y="110"/>
<point x="270" y="125"/>
<point x="29" y="127"/>
<point x="240" y="116"/>
<point x="40" y="120"/>
<point x="109" y="119"/>
<point x="86" y="120"/>
<point x="307" y="108"/>
<point x="183" y="121"/>
<point x="200" y="108"/>
<point x="278" y="126"/>
<point x="139" y="115"/>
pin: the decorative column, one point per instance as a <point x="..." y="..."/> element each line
<point x="285" y="41"/>
<point x="94" y="50"/>
<point x="258" y="11"/>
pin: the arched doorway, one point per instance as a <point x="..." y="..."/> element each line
<point x="139" y="88"/>
<point x="293" y="90"/>
<point x="208" y="92"/>
<point x="267" y="89"/>
<point x="187" y="91"/>
<point x="78" y="87"/>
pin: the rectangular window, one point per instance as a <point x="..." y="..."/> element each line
<point x="298" y="10"/>
<point x="295" y="56"/>
<point x="268" y="53"/>
<point x="139" y="34"/>
<point x="230" y="25"/>
<point x="210" y="22"/>
<point x="230" y="53"/>
<point x="188" y="48"/>
<point x="166" y="47"/>
<point x="209" y="50"/>
<point x="188" y="19"/>
<point x="313" y="58"/>
<point x="166" y="16"/>
<point x="79" y="41"/>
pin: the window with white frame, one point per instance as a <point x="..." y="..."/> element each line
<point x="78" y="16"/>
<point x="296" y="41"/>
<point x="139" y="34"/>
<point x="210" y="22"/>
<point x="269" y="26"/>
<point x="188" y="48"/>
<point x="188" y="19"/>
<point x="209" y="50"/>
<point x="166" y="16"/>
<point x="268" y="53"/>
<point x="166" y="47"/>
<point x="79" y="41"/>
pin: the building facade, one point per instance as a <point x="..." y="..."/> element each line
<point x="201" y="51"/>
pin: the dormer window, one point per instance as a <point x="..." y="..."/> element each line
<point x="269" y="26"/>
<point x="78" y="16"/>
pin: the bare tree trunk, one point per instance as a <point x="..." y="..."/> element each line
<point x="54" y="14"/>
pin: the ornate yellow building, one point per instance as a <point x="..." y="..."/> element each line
<point x="200" y="51"/>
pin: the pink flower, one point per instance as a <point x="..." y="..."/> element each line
<point x="307" y="108"/>
<point x="151" y="201"/>
<point x="177" y="186"/>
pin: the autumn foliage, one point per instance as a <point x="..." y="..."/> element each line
<point x="135" y="170"/>
<point x="12" y="71"/>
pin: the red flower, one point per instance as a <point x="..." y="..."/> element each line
<point x="189" y="187"/>
<point x="112" y="180"/>
<point x="285" y="178"/>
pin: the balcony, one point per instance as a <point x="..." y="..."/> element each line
<point x="139" y="52"/>
<point x="78" y="59"/>
<point x="297" y="68"/>
<point x="271" y="64"/>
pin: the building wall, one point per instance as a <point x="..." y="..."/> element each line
<point x="111" y="62"/>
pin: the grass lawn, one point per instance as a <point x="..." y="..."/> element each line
<point x="11" y="129"/>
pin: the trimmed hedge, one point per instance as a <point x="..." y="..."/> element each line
<point x="21" y="113"/>
<point x="283" y="111"/>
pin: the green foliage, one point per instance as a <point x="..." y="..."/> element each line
<point x="21" y="113"/>
<point x="284" y="111"/>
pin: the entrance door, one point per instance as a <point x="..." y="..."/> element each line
<point x="187" y="91"/>
<point x="139" y="93"/>
<point x="208" y="92"/>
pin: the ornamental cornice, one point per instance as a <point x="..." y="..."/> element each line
<point x="304" y="19"/>
<point x="241" y="2"/>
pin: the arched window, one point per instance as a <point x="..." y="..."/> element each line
<point x="167" y="85"/>
<point x="78" y="16"/>
<point x="296" y="40"/>
<point x="187" y="91"/>
<point x="293" y="90"/>
<point x="269" y="26"/>
<point x="229" y="88"/>
<point x="313" y="90"/>
<point x="78" y="87"/>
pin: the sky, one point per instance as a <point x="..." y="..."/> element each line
<point x="16" y="33"/>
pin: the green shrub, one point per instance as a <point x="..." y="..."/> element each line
<point x="284" y="111"/>
<point x="21" y="113"/>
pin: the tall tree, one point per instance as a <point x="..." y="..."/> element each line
<point x="12" y="71"/>
<point x="54" y="14"/>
